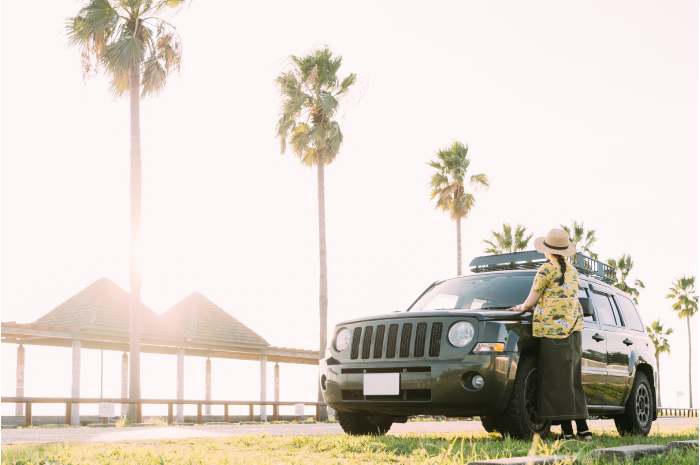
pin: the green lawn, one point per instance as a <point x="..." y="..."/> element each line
<point x="339" y="449"/>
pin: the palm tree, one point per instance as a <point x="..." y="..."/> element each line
<point x="659" y="337"/>
<point x="448" y="187"/>
<point x="311" y="90"/>
<point x="508" y="241"/>
<point x="138" y="50"/>
<point x="685" y="304"/>
<point x="583" y="238"/>
<point x="623" y="266"/>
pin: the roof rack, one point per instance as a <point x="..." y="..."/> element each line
<point x="532" y="259"/>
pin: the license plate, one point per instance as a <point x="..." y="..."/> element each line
<point x="381" y="384"/>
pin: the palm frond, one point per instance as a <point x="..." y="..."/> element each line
<point x="310" y="94"/>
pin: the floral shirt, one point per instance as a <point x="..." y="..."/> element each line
<point x="558" y="309"/>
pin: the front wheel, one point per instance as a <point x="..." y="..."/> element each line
<point x="639" y="409"/>
<point x="356" y="424"/>
<point x="490" y="423"/>
<point x="520" y="419"/>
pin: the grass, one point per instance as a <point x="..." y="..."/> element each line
<point x="410" y="449"/>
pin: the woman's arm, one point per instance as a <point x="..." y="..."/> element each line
<point x="539" y="284"/>
<point x="530" y="302"/>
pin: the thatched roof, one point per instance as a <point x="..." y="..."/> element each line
<point x="202" y="322"/>
<point x="101" y="312"/>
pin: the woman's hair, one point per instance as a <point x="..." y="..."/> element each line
<point x="562" y="268"/>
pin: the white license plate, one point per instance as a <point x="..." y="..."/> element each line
<point x="381" y="384"/>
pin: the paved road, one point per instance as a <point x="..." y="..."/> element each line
<point x="154" y="433"/>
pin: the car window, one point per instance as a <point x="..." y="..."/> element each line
<point x="582" y="294"/>
<point x="629" y="313"/>
<point x="498" y="291"/>
<point x="604" y="308"/>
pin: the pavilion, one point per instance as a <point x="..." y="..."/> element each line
<point x="98" y="318"/>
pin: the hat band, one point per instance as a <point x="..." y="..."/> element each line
<point x="555" y="247"/>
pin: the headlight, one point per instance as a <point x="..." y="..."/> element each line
<point x="342" y="339"/>
<point x="461" y="333"/>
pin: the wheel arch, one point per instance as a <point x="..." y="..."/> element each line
<point x="648" y="370"/>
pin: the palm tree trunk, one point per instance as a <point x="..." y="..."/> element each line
<point x="459" y="246"/>
<point x="323" y="267"/>
<point x="690" y="365"/>
<point x="134" y="413"/>
<point x="658" y="382"/>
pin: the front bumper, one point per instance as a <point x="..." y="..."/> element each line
<point x="428" y="387"/>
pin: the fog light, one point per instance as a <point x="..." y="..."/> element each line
<point x="478" y="381"/>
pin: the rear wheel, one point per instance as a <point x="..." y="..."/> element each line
<point x="639" y="409"/>
<point x="520" y="419"/>
<point x="357" y="424"/>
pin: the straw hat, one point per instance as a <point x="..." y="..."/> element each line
<point x="557" y="242"/>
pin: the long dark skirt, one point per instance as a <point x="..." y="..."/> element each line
<point x="560" y="392"/>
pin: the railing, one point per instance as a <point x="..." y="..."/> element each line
<point x="677" y="412"/>
<point x="69" y="401"/>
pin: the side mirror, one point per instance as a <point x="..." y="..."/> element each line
<point x="586" y="305"/>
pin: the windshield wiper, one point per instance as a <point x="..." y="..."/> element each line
<point x="495" y="307"/>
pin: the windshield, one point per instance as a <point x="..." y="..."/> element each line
<point x="494" y="292"/>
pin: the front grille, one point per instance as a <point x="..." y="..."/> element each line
<point x="367" y="341"/>
<point x="355" y="342"/>
<point x="391" y="342"/>
<point x="379" y="341"/>
<point x="419" y="348"/>
<point x="435" y="337"/>
<point x="405" y="339"/>
<point x="376" y="342"/>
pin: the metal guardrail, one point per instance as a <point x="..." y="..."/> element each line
<point x="69" y="401"/>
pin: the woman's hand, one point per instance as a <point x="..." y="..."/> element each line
<point x="517" y="308"/>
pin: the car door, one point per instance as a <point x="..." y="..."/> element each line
<point x="617" y="345"/>
<point x="594" y="353"/>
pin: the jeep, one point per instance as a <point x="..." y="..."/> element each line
<point x="458" y="351"/>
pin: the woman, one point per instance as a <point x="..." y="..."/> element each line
<point x="557" y="319"/>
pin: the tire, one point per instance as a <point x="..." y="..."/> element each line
<point x="357" y="424"/>
<point x="520" y="419"/>
<point x="639" y="409"/>
<point x="490" y="424"/>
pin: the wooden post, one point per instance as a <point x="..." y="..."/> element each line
<point x="263" y="387"/>
<point x="226" y="412"/>
<point x="180" y="384"/>
<point x="207" y="385"/>
<point x="318" y="412"/>
<point x="170" y="413"/>
<point x="75" y="385"/>
<point x="69" y="412"/>
<point x="19" y="380"/>
<point x="250" y="412"/>
<point x="199" y="414"/>
<point x="125" y="383"/>
<point x="28" y="414"/>
<point x="276" y="407"/>
<point x="139" y="416"/>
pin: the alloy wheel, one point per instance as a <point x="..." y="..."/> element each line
<point x="643" y="404"/>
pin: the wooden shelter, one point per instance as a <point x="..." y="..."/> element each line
<point x="98" y="318"/>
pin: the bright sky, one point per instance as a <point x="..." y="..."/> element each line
<point x="575" y="110"/>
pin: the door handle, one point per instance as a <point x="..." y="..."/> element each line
<point x="598" y="337"/>
<point x="627" y="342"/>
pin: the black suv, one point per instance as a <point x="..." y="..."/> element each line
<point x="458" y="352"/>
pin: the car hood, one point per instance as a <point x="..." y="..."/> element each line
<point x="506" y="315"/>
